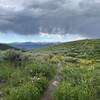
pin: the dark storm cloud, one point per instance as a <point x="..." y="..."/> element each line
<point x="52" y="16"/>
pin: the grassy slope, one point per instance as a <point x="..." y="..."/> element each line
<point x="66" y="53"/>
<point x="81" y="49"/>
<point x="81" y="74"/>
<point x="5" y="47"/>
<point x="80" y="77"/>
<point x="81" y="45"/>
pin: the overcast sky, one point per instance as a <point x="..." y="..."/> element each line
<point x="49" y="20"/>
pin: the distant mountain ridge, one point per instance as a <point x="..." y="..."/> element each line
<point x="30" y="45"/>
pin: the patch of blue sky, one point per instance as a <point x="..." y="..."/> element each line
<point x="42" y="37"/>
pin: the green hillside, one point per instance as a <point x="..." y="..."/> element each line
<point x="82" y="48"/>
<point x="80" y="45"/>
<point x="5" y="47"/>
<point x="80" y="61"/>
<point x="73" y="67"/>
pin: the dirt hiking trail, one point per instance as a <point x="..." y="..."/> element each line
<point x="52" y="84"/>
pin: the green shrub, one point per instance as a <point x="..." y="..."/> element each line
<point x="36" y="69"/>
<point x="16" y="58"/>
<point x="5" y="73"/>
<point x="18" y="77"/>
<point x="41" y="83"/>
<point x="31" y="90"/>
<point x="71" y="60"/>
<point x="66" y="91"/>
<point x="79" y="82"/>
<point x="25" y="92"/>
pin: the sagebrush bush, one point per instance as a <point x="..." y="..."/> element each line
<point x="36" y="69"/>
<point x="16" y="58"/>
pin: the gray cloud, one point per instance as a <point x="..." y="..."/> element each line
<point x="52" y="16"/>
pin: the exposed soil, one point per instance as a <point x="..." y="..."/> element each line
<point x="52" y="84"/>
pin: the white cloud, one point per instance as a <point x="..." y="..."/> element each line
<point x="52" y="37"/>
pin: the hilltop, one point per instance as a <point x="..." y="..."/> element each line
<point x="88" y="44"/>
<point x="89" y="48"/>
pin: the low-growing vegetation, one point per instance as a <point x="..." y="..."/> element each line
<point x="25" y="75"/>
<point x="79" y="82"/>
<point x="22" y="78"/>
